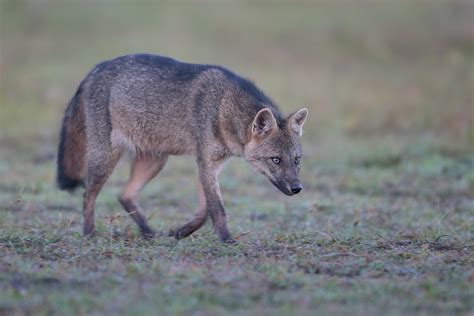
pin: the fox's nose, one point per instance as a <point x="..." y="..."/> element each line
<point x="296" y="188"/>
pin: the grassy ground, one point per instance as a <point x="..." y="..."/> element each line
<point x="386" y="220"/>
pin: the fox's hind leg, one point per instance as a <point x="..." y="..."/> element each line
<point x="99" y="168"/>
<point x="143" y="170"/>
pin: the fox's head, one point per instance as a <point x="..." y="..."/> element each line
<point x="274" y="149"/>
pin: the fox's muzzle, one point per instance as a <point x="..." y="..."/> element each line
<point x="289" y="189"/>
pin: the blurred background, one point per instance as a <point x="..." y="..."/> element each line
<point x="388" y="146"/>
<point x="365" y="69"/>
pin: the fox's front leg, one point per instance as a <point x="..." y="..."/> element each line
<point x="208" y="175"/>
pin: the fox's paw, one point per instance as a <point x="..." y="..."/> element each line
<point x="178" y="233"/>
<point x="227" y="239"/>
<point x="182" y="232"/>
<point x="230" y="241"/>
<point x="148" y="233"/>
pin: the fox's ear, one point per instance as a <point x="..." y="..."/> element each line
<point x="263" y="123"/>
<point x="297" y="119"/>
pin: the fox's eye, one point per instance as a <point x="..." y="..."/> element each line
<point x="276" y="160"/>
<point x="297" y="160"/>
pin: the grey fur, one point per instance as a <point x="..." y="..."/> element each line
<point x="155" y="106"/>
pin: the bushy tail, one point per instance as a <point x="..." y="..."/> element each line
<point x="72" y="145"/>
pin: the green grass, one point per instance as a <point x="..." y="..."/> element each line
<point x="385" y="223"/>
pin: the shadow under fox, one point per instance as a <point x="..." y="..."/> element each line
<point x="154" y="107"/>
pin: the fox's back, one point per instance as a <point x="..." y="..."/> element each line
<point x="150" y="101"/>
<point x="158" y="104"/>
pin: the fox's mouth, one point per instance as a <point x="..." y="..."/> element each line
<point x="282" y="187"/>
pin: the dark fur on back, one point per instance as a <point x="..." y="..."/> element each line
<point x="186" y="72"/>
